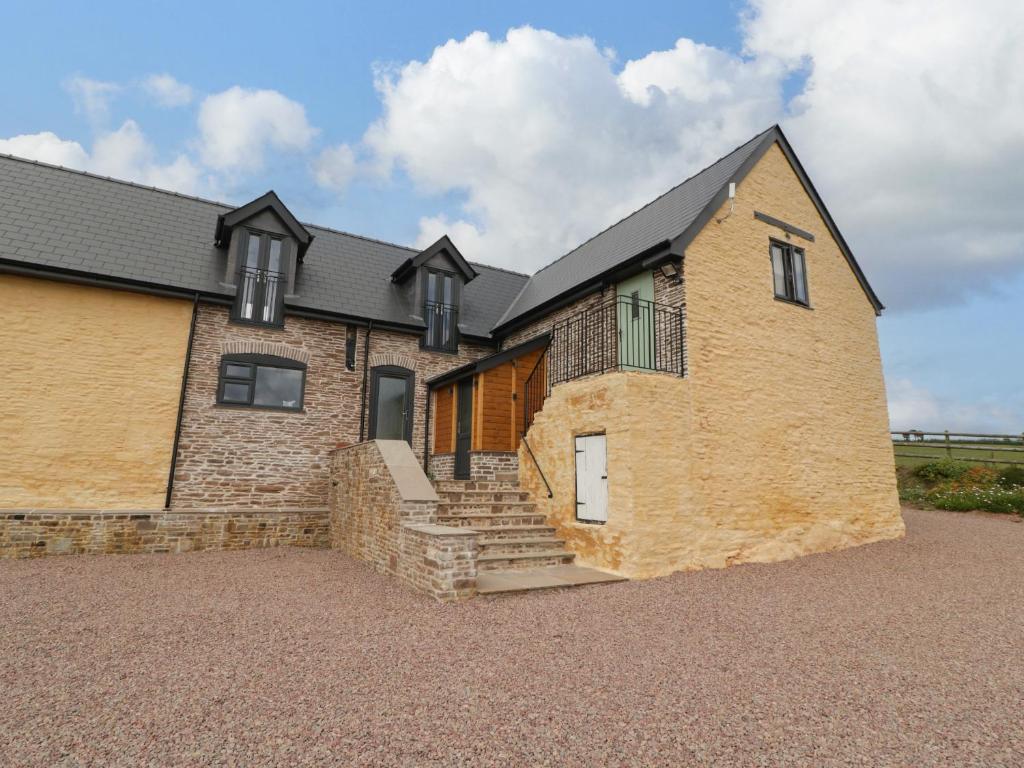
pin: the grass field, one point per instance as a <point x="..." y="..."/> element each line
<point x="986" y="453"/>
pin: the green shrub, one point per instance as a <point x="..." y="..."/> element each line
<point x="944" y="469"/>
<point x="912" y="494"/>
<point x="991" y="499"/>
<point x="1011" y="476"/>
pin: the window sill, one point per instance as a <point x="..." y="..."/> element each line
<point x="256" y="323"/>
<point x="439" y="350"/>
<point x="793" y="302"/>
<point x="274" y="408"/>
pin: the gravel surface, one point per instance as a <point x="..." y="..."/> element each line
<point x="901" y="653"/>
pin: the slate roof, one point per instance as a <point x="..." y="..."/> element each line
<point x="68" y="220"/>
<point x="658" y="221"/>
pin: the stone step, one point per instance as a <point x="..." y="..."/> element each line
<point x="497" y="533"/>
<point x="509" y="561"/>
<point x="483" y="520"/>
<point x="483" y="496"/>
<point x="541" y="545"/>
<point x="475" y="485"/>
<point x="491" y="507"/>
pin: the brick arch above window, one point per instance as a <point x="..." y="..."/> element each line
<point x="395" y="359"/>
<point x="265" y="348"/>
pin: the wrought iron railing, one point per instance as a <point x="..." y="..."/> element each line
<point x="442" y="326"/>
<point x="626" y="333"/>
<point x="260" y="297"/>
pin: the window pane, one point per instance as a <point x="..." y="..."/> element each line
<point x="778" y="271"/>
<point x="799" y="277"/>
<point x="252" y="255"/>
<point x="279" y="387"/>
<point x="274" y="256"/>
<point x="234" y="371"/>
<point x="449" y="289"/>
<point x="431" y="286"/>
<point x="390" y="408"/>
<point x="235" y="393"/>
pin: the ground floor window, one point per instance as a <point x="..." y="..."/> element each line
<point x="261" y="381"/>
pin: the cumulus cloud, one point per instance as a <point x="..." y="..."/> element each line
<point x="915" y="407"/>
<point x="237" y="126"/>
<point x="910" y="123"/>
<point x="334" y="167"/>
<point x="123" y="154"/>
<point x="91" y="97"/>
<point x="167" y="91"/>
<point x="549" y="142"/>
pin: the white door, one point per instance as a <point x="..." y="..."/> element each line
<point x="591" y="479"/>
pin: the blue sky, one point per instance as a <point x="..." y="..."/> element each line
<point x="522" y="144"/>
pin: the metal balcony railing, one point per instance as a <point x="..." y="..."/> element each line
<point x="627" y="333"/>
<point x="260" y="297"/>
<point x="442" y="326"/>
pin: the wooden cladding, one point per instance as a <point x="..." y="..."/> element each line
<point x="497" y="407"/>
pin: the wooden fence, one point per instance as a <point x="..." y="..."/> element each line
<point x="965" y="446"/>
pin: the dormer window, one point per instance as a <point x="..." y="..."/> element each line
<point x="261" y="281"/>
<point x="441" y="311"/>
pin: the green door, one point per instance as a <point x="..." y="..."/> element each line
<point x="635" y="304"/>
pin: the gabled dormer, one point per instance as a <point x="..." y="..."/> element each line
<point x="436" y="277"/>
<point x="265" y="244"/>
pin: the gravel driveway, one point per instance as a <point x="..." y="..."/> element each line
<point x="901" y="653"/>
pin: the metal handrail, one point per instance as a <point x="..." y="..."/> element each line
<point x="259" y="297"/>
<point x="537" y="465"/>
<point x="442" y="321"/>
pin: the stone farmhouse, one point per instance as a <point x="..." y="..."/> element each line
<point x="696" y="386"/>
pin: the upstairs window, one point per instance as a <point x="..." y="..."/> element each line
<point x="789" y="271"/>
<point x="441" y="311"/>
<point x="260" y="296"/>
<point x="261" y="381"/>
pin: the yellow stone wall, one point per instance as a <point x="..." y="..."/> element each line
<point x="91" y="379"/>
<point x="776" y="444"/>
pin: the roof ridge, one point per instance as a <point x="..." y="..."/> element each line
<point x="499" y="269"/>
<point x="649" y="203"/>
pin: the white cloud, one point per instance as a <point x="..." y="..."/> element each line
<point x="167" y="91"/>
<point x="46" y="147"/>
<point x="238" y="125"/>
<point x="91" y="97"/>
<point x="335" y="167"/>
<point x="549" y="143"/>
<point x="915" y="407"/>
<point x="122" y="154"/>
<point x="910" y="124"/>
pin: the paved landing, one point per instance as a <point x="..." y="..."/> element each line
<point x="549" y="577"/>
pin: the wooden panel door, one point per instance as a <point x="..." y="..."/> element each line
<point x="591" y="479"/>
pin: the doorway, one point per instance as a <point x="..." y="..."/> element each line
<point x="635" y="304"/>
<point x="391" y="404"/>
<point x="463" y="429"/>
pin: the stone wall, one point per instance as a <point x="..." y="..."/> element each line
<point x="383" y="511"/>
<point x="483" y="465"/>
<point x="442" y="466"/>
<point x="37" y="532"/>
<point x="90" y="397"/>
<point x="775" y="445"/>
<point x="239" y="457"/>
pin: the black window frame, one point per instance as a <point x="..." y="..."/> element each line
<point x="425" y="343"/>
<point x="252" y="362"/>
<point x="279" y="278"/>
<point x="789" y="294"/>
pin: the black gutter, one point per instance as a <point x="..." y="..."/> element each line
<point x="366" y="371"/>
<point x="181" y="402"/>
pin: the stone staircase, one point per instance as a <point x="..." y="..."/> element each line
<point x="512" y="533"/>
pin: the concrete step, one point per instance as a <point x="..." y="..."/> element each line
<point x="490" y="507"/>
<point x="452" y="496"/>
<point x="550" y="577"/>
<point x="480" y="520"/>
<point x="508" y="561"/>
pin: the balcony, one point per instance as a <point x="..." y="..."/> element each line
<point x="260" y="297"/>
<point x="625" y="334"/>
<point x="442" y="327"/>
